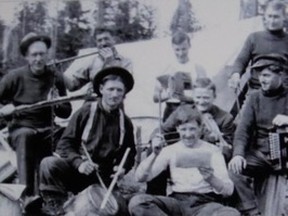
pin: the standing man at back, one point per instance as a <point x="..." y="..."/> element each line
<point x="83" y="71"/>
<point x="272" y="40"/>
<point x="174" y="85"/>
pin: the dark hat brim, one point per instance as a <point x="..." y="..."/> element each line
<point x="263" y="61"/>
<point x="24" y="45"/>
<point x="125" y="75"/>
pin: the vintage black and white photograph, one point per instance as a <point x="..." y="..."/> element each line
<point x="143" y="107"/>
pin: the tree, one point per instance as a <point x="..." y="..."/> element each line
<point x="184" y="18"/>
<point x="30" y="17"/>
<point x="133" y="19"/>
<point x="73" y="31"/>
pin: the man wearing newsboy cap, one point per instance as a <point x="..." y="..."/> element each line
<point x="104" y="130"/>
<point x="265" y="109"/>
<point x="30" y="132"/>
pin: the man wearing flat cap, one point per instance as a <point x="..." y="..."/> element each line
<point x="30" y="132"/>
<point x="265" y="109"/>
<point x="83" y="70"/>
<point x="103" y="129"/>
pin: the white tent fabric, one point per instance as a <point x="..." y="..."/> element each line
<point x="213" y="48"/>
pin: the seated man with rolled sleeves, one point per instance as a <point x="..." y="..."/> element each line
<point x="198" y="173"/>
<point x="31" y="133"/>
<point x="264" y="110"/>
<point x="109" y="134"/>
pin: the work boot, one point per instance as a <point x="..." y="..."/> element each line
<point x="53" y="204"/>
<point x="31" y="204"/>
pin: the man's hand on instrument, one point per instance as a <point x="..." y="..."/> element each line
<point x="280" y="120"/>
<point x="121" y="173"/>
<point x="212" y="137"/>
<point x="234" y="81"/>
<point x="107" y="54"/>
<point x="158" y="143"/>
<point x="206" y="172"/>
<point x="87" y="167"/>
<point x="237" y="164"/>
<point x="7" y="110"/>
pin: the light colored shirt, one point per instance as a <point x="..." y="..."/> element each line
<point x="83" y="70"/>
<point x="194" y="70"/>
<point x="185" y="180"/>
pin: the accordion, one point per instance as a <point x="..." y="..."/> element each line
<point x="278" y="145"/>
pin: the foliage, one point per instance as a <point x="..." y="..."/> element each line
<point x="73" y="31"/>
<point x="133" y="19"/>
<point x="184" y="18"/>
<point x="31" y="17"/>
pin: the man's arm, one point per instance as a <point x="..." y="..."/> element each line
<point x="62" y="110"/>
<point x="244" y="57"/>
<point x="241" y="62"/>
<point x="155" y="163"/>
<point x="69" y="145"/>
<point x="243" y="134"/>
<point x="7" y="86"/>
<point x="160" y="94"/>
<point x="77" y="74"/>
<point x="245" y="127"/>
<point x="217" y="176"/>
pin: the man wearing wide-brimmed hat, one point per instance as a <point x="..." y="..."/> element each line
<point x="264" y="110"/>
<point x="106" y="132"/>
<point x="83" y="70"/>
<point x="30" y="132"/>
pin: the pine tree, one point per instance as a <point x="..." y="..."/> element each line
<point x="132" y="19"/>
<point x="73" y="31"/>
<point x="31" y="17"/>
<point x="184" y="18"/>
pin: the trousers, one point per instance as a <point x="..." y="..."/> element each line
<point x="258" y="168"/>
<point x="58" y="176"/>
<point x="178" y="205"/>
<point x="31" y="145"/>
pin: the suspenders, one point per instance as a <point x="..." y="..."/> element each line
<point x="89" y="124"/>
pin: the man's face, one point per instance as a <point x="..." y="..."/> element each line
<point x="182" y="51"/>
<point x="189" y="133"/>
<point x="104" y="40"/>
<point x="113" y="92"/>
<point x="36" y="56"/>
<point x="203" y="98"/>
<point x="274" y="19"/>
<point x="269" y="80"/>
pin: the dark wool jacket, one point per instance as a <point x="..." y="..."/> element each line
<point x="21" y="86"/>
<point x="256" y="120"/>
<point x="103" y="140"/>
<point x="259" y="43"/>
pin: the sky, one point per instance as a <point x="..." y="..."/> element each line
<point x="209" y="12"/>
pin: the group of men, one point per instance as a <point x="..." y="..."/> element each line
<point x="206" y="159"/>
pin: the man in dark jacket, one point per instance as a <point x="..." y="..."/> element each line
<point x="265" y="109"/>
<point x="110" y="134"/>
<point x="31" y="132"/>
<point x="272" y="40"/>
